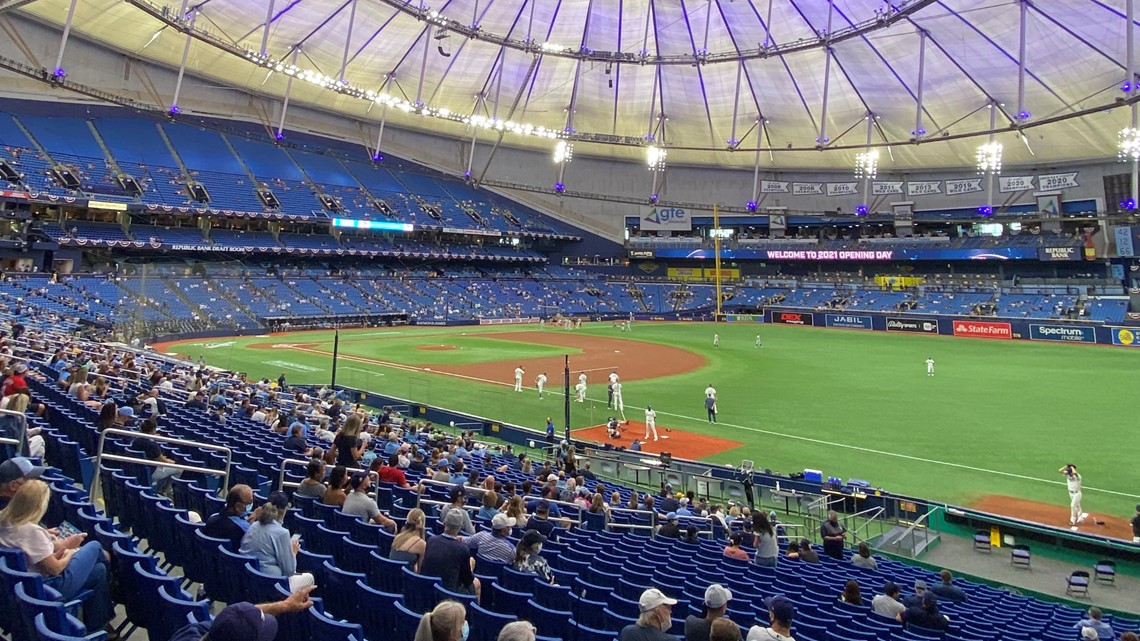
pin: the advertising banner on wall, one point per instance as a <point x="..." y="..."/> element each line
<point x="1064" y="333"/>
<point x="793" y="318"/>
<point x="982" y="329"/>
<point x="665" y="219"/>
<point x="1125" y="337"/>
<point x="848" y="320"/>
<point x="641" y="253"/>
<point x="912" y="325"/>
<point x="996" y="253"/>
<point x="1054" y="254"/>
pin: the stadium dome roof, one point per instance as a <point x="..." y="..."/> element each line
<point x="695" y="75"/>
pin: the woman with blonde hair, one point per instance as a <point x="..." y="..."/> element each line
<point x="446" y="622"/>
<point x="347" y="443"/>
<point x="516" y="509"/>
<point x="409" y="544"/>
<point x="68" y="565"/>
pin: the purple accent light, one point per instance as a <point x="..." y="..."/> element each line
<point x="59" y="72"/>
<point x="467" y="174"/>
<point x="1128" y="204"/>
<point x="653" y="199"/>
<point x="1126" y="87"/>
<point x="279" y="136"/>
<point x="985" y="210"/>
<point x="174" y="110"/>
<point x="861" y="210"/>
<point x="751" y="205"/>
<point x="1025" y="115"/>
<point x="377" y="157"/>
<point x="559" y="188"/>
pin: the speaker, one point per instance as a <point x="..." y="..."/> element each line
<point x="64" y="177"/>
<point x="268" y="199"/>
<point x="198" y="192"/>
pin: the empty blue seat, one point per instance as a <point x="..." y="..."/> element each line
<point x="419" y="590"/>
<point x="485" y="624"/>
<point x="325" y="628"/>
<point x="376" y="610"/>
<point x="406" y="621"/>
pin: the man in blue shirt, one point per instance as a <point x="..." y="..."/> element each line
<point x="231" y="523"/>
<point x="1104" y="631"/>
<point x="947" y="590"/>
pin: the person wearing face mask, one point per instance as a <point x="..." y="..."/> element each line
<point x="527" y="558"/>
<point x="655" y="620"/>
<point x="446" y="622"/>
<point x="232" y="521"/>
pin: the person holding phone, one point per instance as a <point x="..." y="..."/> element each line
<point x="269" y="541"/>
<point x="69" y="565"/>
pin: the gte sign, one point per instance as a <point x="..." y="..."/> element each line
<point x="665" y="219"/>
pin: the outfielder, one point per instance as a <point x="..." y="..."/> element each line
<point x="1073" y="480"/>
<point x="650" y="422"/>
<point x="519" y="371"/>
<point x="930" y="367"/>
<point x="716" y="340"/>
<point x="758" y="343"/>
<point x="540" y="382"/>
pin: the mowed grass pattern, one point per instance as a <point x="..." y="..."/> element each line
<point x="999" y="417"/>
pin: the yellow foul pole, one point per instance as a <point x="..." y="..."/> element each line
<point x="716" y="256"/>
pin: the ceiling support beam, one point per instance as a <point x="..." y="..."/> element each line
<point x="919" y="130"/>
<point x="185" y="57"/>
<point x="733" y="141"/>
<point x="828" y="53"/>
<point x="990" y="173"/>
<point x="867" y="175"/>
<point x="423" y="67"/>
<point x="1022" y="114"/>
<point x="1130" y="84"/>
<point x="285" y="103"/>
<point x="265" y="32"/>
<point x="474" y="137"/>
<point x="376" y="155"/>
<point x="58" y="71"/>
<point x="753" y="202"/>
<point x="348" y="39"/>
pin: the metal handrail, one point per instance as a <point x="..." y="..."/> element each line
<point x="876" y="511"/>
<point x="917" y="522"/>
<point x="292" y="461"/>
<point x="101" y="456"/>
<point x="21" y="443"/>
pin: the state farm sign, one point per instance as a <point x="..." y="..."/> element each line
<point x="982" y="329"/>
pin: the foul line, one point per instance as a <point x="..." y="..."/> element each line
<point x="908" y="457"/>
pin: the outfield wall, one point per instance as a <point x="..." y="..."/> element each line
<point x="1050" y="331"/>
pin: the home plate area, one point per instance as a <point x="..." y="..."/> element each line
<point x="676" y="442"/>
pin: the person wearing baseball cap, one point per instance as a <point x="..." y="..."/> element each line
<point x="447" y="557"/>
<point x="493" y="543"/>
<point x="655" y="619"/>
<point x="245" y="621"/>
<point x="716" y="604"/>
<point x="527" y="558"/>
<point x="926" y="614"/>
<point x="362" y="506"/>
<point x="780" y="614"/>
<point x="669" y="528"/>
<point x="13" y="473"/>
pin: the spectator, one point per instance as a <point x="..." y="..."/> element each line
<point x="1089" y="634"/>
<point x="916" y="598"/>
<point x="447" y="557"/>
<point x="670" y="529"/>
<point x="232" y="521"/>
<point x="490" y="506"/>
<point x="528" y="559"/>
<point x="14" y="473"/>
<point x="541" y="522"/>
<point x="270" y="542"/>
<point x="313" y="483"/>
<point x="724" y="629"/>
<point x="1135" y="529"/>
<point x="347" y="444"/>
<point x="516" y="509"/>
<point x="887" y="604"/>
<point x="683" y="507"/>
<point x="833" y="533"/>
<point x="245" y="621"/>
<point x="1129" y="636"/>
<point x="655" y="619"/>
<point x="1093" y="620"/>
<point x="863" y="558"/>
<point x="296" y="442"/>
<point x="67" y="565"/>
<point x="926" y="614"/>
<point x="458" y="500"/>
<point x="764" y="537"/>
<point x="807" y="553"/>
<point x="160" y="476"/>
<point x="780" y="615"/>
<point x="690" y="535"/>
<point x="518" y="631"/>
<point x="338" y="482"/>
<point x="446" y="622"/>
<point x="715" y="605"/>
<point x="669" y="502"/>
<point x="732" y="550"/>
<point x="851" y="593"/>
<point x="493" y="544"/>
<point x="362" y="506"/>
<point x="793" y="552"/>
<point x="947" y="590"/>
<point x="391" y="473"/>
<point x="409" y="544"/>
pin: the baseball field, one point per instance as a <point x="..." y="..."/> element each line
<point x="990" y="429"/>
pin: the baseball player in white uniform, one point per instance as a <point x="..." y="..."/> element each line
<point x="710" y="392"/>
<point x="930" y="367"/>
<point x="650" y="422"/>
<point x="519" y="371"/>
<point x="758" y="343"/>
<point x="716" y="340"/>
<point x="540" y="382"/>
<point x="1073" y="480"/>
<point x="619" y="405"/>
<point x="581" y="389"/>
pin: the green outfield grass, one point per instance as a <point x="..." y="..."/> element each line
<point x="998" y="418"/>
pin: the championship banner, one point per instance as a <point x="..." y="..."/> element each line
<point x="886" y="188"/>
<point x="848" y="321"/>
<point x="665" y="219"/>
<point x="1008" y="184"/>
<point x="1063" y="333"/>
<point x="775" y="186"/>
<point x="1057" y="181"/>
<point x="842" y="189"/>
<point x="967" y="186"/>
<point x="923" y="187"/>
<point x="793" y="318"/>
<point x="982" y="329"/>
<point x="807" y="189"/>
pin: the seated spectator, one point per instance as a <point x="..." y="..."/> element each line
<point x="232" y="521"/>
<point x="493" y="544"/>
<point x="527" y="557"/>
<point x="446" y="622"/>
<point x="780" y="615"/>
<point x="793" y="551"/>
<point x="926" y="614"/>
<point x="888" y="604"/>
<point x="409" y="544"/>
<point x="916" y="598"/>
<point x="270" y="543"/>
<point x="336" y="494"/>
<point x="517" y="631"/>
<point x="670" y="529"/>
<point x="724" y="629"/>
<point x="698" y="628"/>
<point x="160" y="477"/>
<point x="490" y="506"/>
<point x="391" y="473"/>
<point x="458" y="500"/>
<point x="541" y="522"/>
<point x="245" y="621"/>
<point x="14" y="473"/>
<point x="313" y="483"/>
<point x="863" y="558"/>
<point x="445" y="556"/>
<point x="851" y="593"/>
<point x="733" y="551"/>
<point x="690" y="535"/>
<point x="947" y="590"/>
<point x="362" y="506"/>
<point x="296" y="442"/>
<point x="68" y="565"/>
<point x="807" y="553"/>
<point x="1104" y="631"/>
<point x="655" y="618"/>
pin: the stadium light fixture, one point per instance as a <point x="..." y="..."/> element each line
<point x="867" y="164"/>
<point x="563" y="152"/>
<point x="655" y="157"/>
<point x="989" y="158"/>
<point x="1129" y="144"/>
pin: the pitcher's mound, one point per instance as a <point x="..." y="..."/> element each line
<point x="678" y="443"/>
<point x="437" y="348"/>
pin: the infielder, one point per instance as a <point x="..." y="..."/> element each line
<point x="610" y="391"/>
<point x="1073" y="480"/>
<point x="619" y="405"/>
<point x="716" y="340"/>
<point x="581" y="389"/>
<point x="540" y="382"/>
<point x="650" y="422"/>
<point x="930" y="367"/>
<point x="519" y="371"/>
<point x="710" y="392"/>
